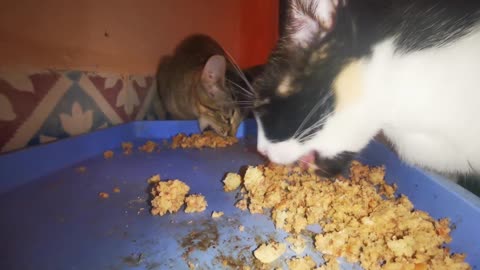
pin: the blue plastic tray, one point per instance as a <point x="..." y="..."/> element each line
<point x="52" y="216"/>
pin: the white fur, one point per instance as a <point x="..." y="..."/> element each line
<point x="426" y="102"/>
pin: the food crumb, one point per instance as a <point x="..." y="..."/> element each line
<point x="303" y="263"/>
<point x="168" y="196"/>
<point x="231" y="182"/>
<point x="216" y="214"/>
<point x="195" y="203"/>
<point x="108" y="154"/>
<point x="241" y="204"/>
<point x="154" y="179"/>
<point x="116" y="190"/>
<point x="103" y="195"/>
<point x="127" y="148"/>
<point x="148" y="147"/>
<point x="81" y="169"/>
<point x="297" y="243"/>
<point x="267" y="253"/>
<point x="241" y="228"/>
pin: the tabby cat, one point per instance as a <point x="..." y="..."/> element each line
<point x="200" y="81"/>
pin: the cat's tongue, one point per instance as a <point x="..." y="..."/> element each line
<point x="308" y="160"/>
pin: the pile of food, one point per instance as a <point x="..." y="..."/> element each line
<point x="207" y="139"/>
<point x="361" y="219"/>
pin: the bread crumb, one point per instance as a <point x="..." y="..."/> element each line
<point x="148" y="147"/>
<point x="241" y="228"/>
<point x="207" y="139"/>
<point x="231" y="182"/>
<point x="216" y="214"/>
<point x="331" y="263"/>
<point x="195" y="203"/>
<point x="81" y="169"/>
<point x="103" y="195"/>
<point x="154" y="179"/>
<point x="116" y="190"/>
<point x="108" y="154"/>
<point x="242" y="204"/>
<point x="169" y="196"/>
<point x="127" y="148"/>
<point x="297" y="244"/>
<point x="267" y="253"/>
<point x="303" y="263"/>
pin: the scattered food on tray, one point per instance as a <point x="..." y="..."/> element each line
<point x="116" y="190"/>
<point x="81" y="169"/>
<point x="268" y="253"/>
<point x="207" y="139"/>
<point x="108" y="154"/>
<point x="362" y="219"/>
<point x="195" y="203"/>
<point x="127" y="148"/>
<point x="103" y="195"/>
<point x="231" y="182"/>
<point x="148" y="147"/>
<point x="168" y="196"/>
<point x="216" y="214"/>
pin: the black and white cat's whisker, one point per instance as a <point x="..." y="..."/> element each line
<point x="312" y="111"/>
<point x="305" y="134"/>
<point x="245" y="91"/>
<point x="239" y="70"/>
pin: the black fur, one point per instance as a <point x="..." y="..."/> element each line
<point x="415" y="25"/>
<point x="331" y="167"/>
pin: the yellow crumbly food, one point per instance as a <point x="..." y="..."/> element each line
<point x="216" y="214"/>
<point x="127" y="148"/>
<point x="361" y="218"/>
<point x="331" y="263"/>
<point x="103" y="195"/>
<point x="108" y="154"/>
<point x="148" y="147"/>
<point x="297" y="243"/>
<point x="267" y="253"/>
<point x="195" y="203"/>
<point x="116" y="190"/>
<point x="303" y="263"/>
<point x="168" y="196"/>
<point x="231" y="182"/>
<point x="208" y="139"/>
<point x="154" y="179"/>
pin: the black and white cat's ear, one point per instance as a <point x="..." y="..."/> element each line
<point x="311" y="19"/>
<point x="213" y="74"/>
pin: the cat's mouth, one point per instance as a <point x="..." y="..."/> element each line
<point x="327" y="167"/>
<point x="308" y="160"/>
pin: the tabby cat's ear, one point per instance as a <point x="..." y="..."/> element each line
<point x="311" y="19"/>
<point x="213" y="74"/>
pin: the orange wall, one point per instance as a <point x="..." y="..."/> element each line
<point x="127" y="35"/>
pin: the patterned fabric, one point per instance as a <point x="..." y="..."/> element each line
<point x="43" y="106"/>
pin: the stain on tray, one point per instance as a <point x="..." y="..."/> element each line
<point x="133" y="260"/>
<point x="201" y="238"/>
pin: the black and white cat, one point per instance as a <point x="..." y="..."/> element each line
<point x="347" y="70"/>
